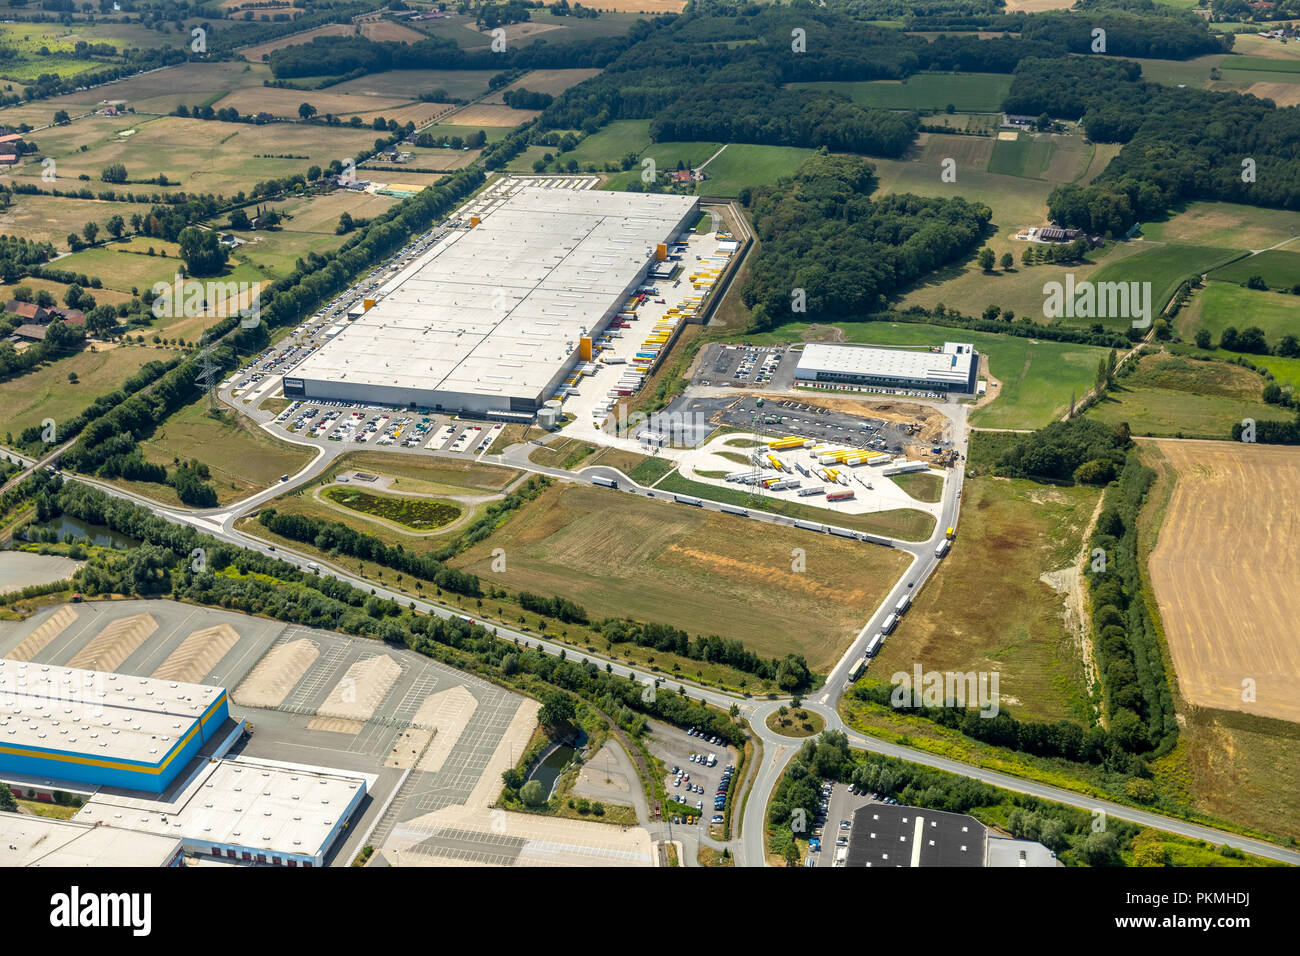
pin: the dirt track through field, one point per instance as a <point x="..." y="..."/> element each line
<point x="1226" y="573"/>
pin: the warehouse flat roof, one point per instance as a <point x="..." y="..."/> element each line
<point x="97" y="713"/>
<point x="500" y="308"/>
<point x="891" y="835"/>
<point x="42" y="841"/>
<point x="279" y="808"/>
<point x="952" y="365"/>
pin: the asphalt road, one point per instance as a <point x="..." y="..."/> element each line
<point x="776" y="750"/>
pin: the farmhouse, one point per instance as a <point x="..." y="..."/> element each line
<point x="27" y="310"/>
<point x="488" y="321"/>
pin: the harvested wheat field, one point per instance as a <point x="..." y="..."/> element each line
<point x="1226" y="574"/>
<point x="447" y="714"/>
<point x="480" y="115"/>
<point x="35" y="641"/>
<point x="269" y="683"/>
<point x="115" y="643"/>
<point x="361" y="689"/>
<point x="198" y="654"/>
<point x="255" y="54"/>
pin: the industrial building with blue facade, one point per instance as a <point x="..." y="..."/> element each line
<point x="101" y="728"/>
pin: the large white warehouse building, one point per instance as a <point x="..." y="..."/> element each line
<point x="488" y="321"/>
<point x="951" y="369"/>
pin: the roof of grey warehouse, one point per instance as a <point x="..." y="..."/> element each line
<point x="500" y="308"/>
<point x="96" y="712"/>
<point x="950" y="366"/>
<point x="279" y="807"/>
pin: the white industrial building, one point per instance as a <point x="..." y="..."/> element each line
<point x="29" y="840"/>
<point x="488" y="321"/>
<point x="950" y="369"/>
<point x="243" y="809"/>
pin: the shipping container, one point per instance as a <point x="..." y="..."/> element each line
<point x="889" y="623"/>
<point x="688" y="500"/>
<point x="940" y="551"/>
<point x="604" y="482"/>
<point x="733" y="510"/>
<point x="807" y="492"/>
<point x="874" y="647"/>
<point x="809" y="525"/>
<point x="843" y="532"/>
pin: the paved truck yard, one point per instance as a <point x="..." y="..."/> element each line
<point x="285" y="732"/>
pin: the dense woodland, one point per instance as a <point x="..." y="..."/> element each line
<point x="819" y="232"/>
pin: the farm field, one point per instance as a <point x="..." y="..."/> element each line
<point x="51" y="218"/>
<point x="1037" y="377"/>
<point x="703" y="572"/>
<point x="1194" y="72"/>
<point x="1051" y="156"/>
<point x="609" y="144"/>
<point x="281" y="102"/>
<point x="1225" y="608"/>
<point x="309" y="228"/>
<point x="741" y="165"/>
<point x="1164" y="266"/>
<point x="1279" y="268"/>
<point x="1177" y="396"/>
<point x="263" y="51"/>
<point x="1223" y="304"/>
<point x="407" y="84"/>
<point x="983" y="123"/>
<point x="205" y="156"/>
<point x="987" y="609"/>
<point x="1224" y="224"/>
<point x="159" y="92"/>
<point x="554" y="82"/>
<point x="45" y="393"/>
<point x="460" y="29"/>
<point x="970" y="92"/>
<point x="242" y="458"/>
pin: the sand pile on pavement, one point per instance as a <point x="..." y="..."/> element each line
<point x="115" y="643"/>
<point x="35" y="642"/>
<point x="198" y="654"/>
<point x="361" y="690"/>
<point x="336" y="725"/>
<point x="407" y="747"/>
<point x="447" y="713"/>
<point x="269" y="683"/>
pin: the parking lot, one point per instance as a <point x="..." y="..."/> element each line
<point x="351" y="423"/>
<point x="829" y="826"/>
<point x="808" y="420"/>
<point x="746" y="366"/>
<point x="692" y="785"/>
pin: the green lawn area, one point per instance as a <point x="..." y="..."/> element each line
<point x="1279" y="268"/>
<point x="1026" y="156"/>
<point x="1223" y="304"/>
<point x="122" y="270"/>
<point x="920" y="485"/>
<point x="241" y="457"/>
<point x="741" y="165"/>
<point x="1037" y="377"/>
<point x="45" y="392"/>
<point x="1165" y="267"/>
<point x="418" y="514"/>
<point x="1177" y="396"/>
<point x="1194" y="72"/>
<point x="609" y="144"/>
<point x="1266" y="64"/>
<point x="972" y="92"/>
